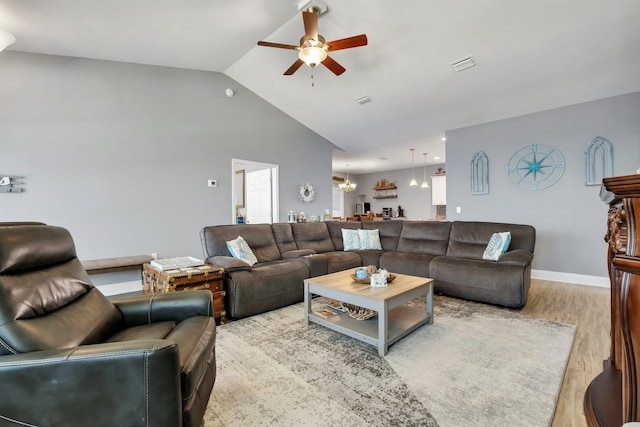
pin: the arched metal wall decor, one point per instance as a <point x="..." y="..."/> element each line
<point x="598" y="161"/>
<point x="479" y="173"/>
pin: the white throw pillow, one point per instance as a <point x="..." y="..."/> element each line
<point x="497" y="246"/>
<point x="350" y="239"/>
<point x="241" y="250"/>
<point x="369" y="239"/>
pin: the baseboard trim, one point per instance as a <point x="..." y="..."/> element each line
<point x="120" y="288"/>
<point x="576" y="279"/>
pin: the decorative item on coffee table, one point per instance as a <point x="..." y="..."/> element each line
<point x="359" y="313"/>
<point x="205" y="276"/>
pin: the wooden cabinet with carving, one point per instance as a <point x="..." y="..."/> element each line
<point x="612" y="398"/>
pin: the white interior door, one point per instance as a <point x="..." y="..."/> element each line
<point x="259" y="197"/>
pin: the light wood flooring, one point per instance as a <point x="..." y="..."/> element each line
<point x="587" y="307"/>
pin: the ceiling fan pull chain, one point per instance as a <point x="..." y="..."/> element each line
<point x="312" y="82"/>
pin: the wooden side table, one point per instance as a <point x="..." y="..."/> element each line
<point x="202" y="277"/>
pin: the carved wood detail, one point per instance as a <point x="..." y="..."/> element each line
<point x="617" y="230"/>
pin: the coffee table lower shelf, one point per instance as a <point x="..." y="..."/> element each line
<point x="401" y="321"/>
<point x="394" y="320"/>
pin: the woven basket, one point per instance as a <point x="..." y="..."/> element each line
<point x="359" y="313"/>
<point x="368" y="279"/>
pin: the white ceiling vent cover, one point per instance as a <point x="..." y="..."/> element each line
<point x="463" y="64"/>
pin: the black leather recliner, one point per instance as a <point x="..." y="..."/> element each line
<point x="71" y="357"/>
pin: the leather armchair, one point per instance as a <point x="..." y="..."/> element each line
<point x="69" y="356"/>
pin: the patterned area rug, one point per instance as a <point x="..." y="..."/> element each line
<point x="477" y="365"/>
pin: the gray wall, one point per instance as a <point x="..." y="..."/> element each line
<point x="569" y="217"/>
<point x="415" y="201"/>
<point x="120" y="153"/>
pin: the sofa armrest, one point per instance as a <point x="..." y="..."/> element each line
<point x="297" y="253"/>
<point x="170" y="306"/>
<point x="516" y="257"/>
<point x="127" y="383"/>
<point x="230" y="264"/>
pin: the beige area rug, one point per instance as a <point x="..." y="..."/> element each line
<point x="477" y="365"/>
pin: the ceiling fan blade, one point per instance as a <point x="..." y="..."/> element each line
<point x="310" y="25"/>
<point x="347" y="43"/>
<point x="279" y="45"/>
<point x="294" y="67"/>
<point x="336" y="68"/>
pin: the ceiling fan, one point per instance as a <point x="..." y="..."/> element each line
<point x="313" y="48"/>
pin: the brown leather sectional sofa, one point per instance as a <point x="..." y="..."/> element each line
<point x="449" y="252"/>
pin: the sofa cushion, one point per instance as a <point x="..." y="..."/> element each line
<point x="312" y="235"/>
<point x="491" y="282"/>
<point x="350" y="239"/>
<point x="258" y="236"/>
<point x="241" y="250"/>
<point x="340" y="260"/>
<point x="498" y="245"/>
<point x="370" y="256"/>
<point x="284" y="237"/>
<point x="411" y="263"/>
<point x="266" y="287"/>
<point x="389" y="232"/>
<point x="427" y="237"/>
<point x="469" y="239"/>
<point x="335" y="231"/>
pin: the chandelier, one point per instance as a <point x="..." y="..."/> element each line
<point x="347" y="186"/>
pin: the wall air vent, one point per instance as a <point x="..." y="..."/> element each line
<point x="463" y="64"/>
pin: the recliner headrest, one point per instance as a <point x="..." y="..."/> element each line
<point x="38" y="246"/>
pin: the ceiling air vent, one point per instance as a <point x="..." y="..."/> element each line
<point x="463" y="64"/>
<point x="363" y="100"/>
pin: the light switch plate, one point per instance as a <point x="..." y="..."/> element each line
<point x="212" y="183"/>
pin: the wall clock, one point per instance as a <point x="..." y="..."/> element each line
<point x="535" y="167"/>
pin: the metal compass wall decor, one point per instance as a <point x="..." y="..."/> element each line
<point x="535" y="167"/>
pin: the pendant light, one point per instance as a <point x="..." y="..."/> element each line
<point x="347" y="186"/>
<point x="425" y="184"/>
<point x="413" y="182"/>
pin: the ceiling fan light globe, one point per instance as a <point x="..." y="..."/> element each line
<point x="312" y="55"/>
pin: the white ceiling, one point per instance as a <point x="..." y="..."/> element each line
<point x="532" y="55"/>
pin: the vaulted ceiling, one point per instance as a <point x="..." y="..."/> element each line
<point x="531" y="55"/>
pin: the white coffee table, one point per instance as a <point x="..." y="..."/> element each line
<point x="394" y="320"/>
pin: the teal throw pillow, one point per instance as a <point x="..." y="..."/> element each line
<point x="350" y="239"/>
<point x="369" y="239"/>
<point x="241" y="250"/>
<point x="497" y="246"/>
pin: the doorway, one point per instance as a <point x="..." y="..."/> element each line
<point x="254" y="187"/>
